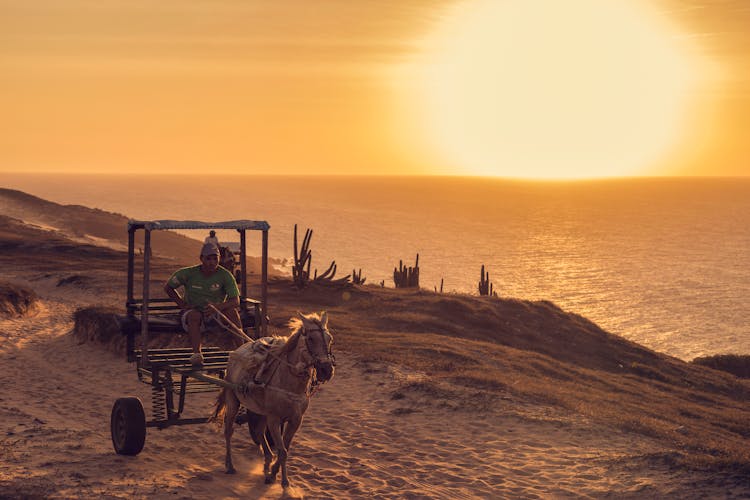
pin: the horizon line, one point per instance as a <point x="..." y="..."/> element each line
<point x="384" y="176"/>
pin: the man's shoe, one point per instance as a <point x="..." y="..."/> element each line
<point x="196" y="360"/>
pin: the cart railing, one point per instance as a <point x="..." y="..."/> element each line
<point x="168" y="305"/>
<point x="164" y="318"/>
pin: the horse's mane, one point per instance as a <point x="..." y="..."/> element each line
<point x="289" y="343"/>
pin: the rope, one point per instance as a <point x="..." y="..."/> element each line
<point x="227" y="324"/>
<point x="294" y="395"/>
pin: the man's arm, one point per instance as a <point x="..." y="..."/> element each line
<point x="174" y="295"/>
<point x="232" y="300"/>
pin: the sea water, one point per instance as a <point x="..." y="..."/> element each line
<point x="663" y="262"/>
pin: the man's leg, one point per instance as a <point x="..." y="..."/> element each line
<point x="193" y="320"/>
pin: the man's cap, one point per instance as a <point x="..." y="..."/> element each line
<point x="209" y="249"/>
<point x="212" y="232"/>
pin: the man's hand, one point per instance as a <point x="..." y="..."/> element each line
<point x="227" y="306"/>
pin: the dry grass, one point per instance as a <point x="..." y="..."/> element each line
<point x="99" y="324"/>
<point x="17" y="301"/>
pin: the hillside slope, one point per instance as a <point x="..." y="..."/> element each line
<point x="89" y="225"/>
<point x="465" y="358"/>
<point x="534" y="351"/>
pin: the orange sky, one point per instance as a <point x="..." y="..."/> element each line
<point x="294" y="86"/>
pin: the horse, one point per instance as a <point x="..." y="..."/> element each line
<point x="294" y="366"/>
<point x="226" y="259"/>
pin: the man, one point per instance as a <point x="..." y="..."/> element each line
<point x="204" y="284"/>
<point x="212" y="239"/>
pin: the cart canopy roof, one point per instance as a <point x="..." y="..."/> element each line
<point x="254" y="225"/>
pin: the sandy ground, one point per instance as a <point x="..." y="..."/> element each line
<point x="362" y="437"/>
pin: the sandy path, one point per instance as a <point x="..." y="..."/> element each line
<point x="357" y="441"/>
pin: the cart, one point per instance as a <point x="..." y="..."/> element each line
<point x="168" y="371"/>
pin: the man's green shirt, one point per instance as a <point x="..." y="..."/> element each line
<point x="201" y="290"/>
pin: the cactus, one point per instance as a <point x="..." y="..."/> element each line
<point x="303" y="261"/>
<point x="485" y="285"/>
<point x="357" y="278"/>
<point x="406" y="277"/>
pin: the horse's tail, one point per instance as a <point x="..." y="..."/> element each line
<point x="220" y="407"/>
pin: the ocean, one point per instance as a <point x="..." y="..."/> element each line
<point x="664" y="262"/>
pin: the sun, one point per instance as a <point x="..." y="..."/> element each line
<point x="550" y="89"/>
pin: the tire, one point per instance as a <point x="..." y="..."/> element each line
<point x="128" y="426"/>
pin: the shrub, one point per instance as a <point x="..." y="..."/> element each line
<point x="17" y="301"/>
<point x="736" y="364"/>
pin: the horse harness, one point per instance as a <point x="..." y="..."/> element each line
<point x="276" y="361"/>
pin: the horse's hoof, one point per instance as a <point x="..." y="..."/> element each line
<point x="285" y="484"/>
<point x="269" y="479"/>
<point x="231" y="470"/>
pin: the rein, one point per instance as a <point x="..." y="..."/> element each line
<point x="294" y="369"/>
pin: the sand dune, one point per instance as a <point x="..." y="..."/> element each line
<point x="488" y="399"/>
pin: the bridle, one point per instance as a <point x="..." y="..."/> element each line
<point x="312" y="361"/>
<point x="315" y="360"/>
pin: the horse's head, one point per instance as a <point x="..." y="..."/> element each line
<point x="226" y="258"/>
<point x="317" y="342"/>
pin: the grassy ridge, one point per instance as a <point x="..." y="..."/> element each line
<point x="488" y="351"/>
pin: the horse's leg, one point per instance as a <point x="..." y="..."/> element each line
<point x="257" y="424"/>
<point x="232" y="407"/>
<point x="267" y="455"/>
<point x="289" y="430"/>
<point x="274" y="427"/>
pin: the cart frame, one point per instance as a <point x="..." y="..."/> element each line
<point x="168" y="371"/>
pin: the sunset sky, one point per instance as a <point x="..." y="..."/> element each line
<point x="537" y="88"/>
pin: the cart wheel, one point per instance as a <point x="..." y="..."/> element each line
<point x="128" y="426"/>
